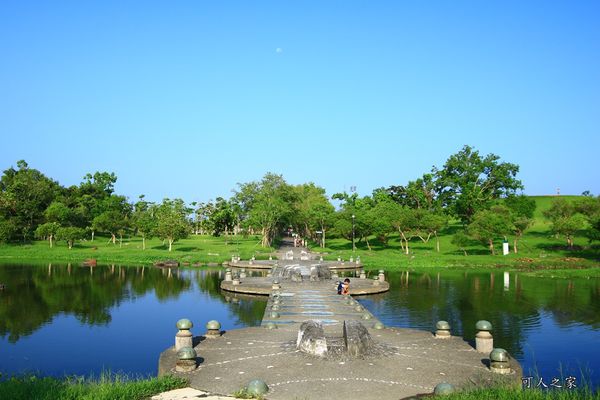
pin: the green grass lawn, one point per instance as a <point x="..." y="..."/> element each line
<point x="201" y="249"/>
<point x="539" y="251"/>
<point x="107" y="387"/>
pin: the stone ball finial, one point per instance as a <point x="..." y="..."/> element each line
<point x="366" y="316"/>
<point x="358" y="308"/>
<point x="271" y="325"/>
<point x="186" y="353"/>
<point x="378" y="325"/>
<point x="184" y="324"/>
<point x="499" y="355"/>
<point x="257" y="388"/>
<point x="443" y="389"/>
<point x="483" y="325"/>
<point x="442" y="325"/>
<point x="213" y="325"/>
<point x="274" y="315"/>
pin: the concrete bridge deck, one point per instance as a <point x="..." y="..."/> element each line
<point x="400" y="364"/>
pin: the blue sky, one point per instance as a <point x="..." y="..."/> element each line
<point x="185" y="99"/>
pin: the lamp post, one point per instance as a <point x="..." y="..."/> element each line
<point x="353" y="247"/>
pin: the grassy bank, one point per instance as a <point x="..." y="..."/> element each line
<point x="526" y="394"/>
<point x="197" y="249"/>
<point x="107" y="387"/>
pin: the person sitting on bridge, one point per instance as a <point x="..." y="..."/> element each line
<point x="346" y="286"/>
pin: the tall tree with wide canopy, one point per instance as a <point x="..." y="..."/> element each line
<point x="25" y="193"/>
<point x="267" y="205"/>
<point x="468" y="182"/>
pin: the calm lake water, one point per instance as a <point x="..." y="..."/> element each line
<point x="59" y="319"/>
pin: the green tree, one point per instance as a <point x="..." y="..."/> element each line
<point x="432" y="223"/>
<point x="420" y="193"/>
<point x="468" y="182"/>
<point x="461" y="240"/>
<point x="70" y="234"/>
<point x="222" y="218"/>
<point x="267" y="206"/>
<point x="382" y="216"/>
<point x="24" y="195"/>
<point x="489" y="225"/>
<point x="522" y="208"/>
<point x="565" y="219"/>
<point x="172" y="221"/>
<point x="589" y="207"/>
<point x="354" y="217"/>
<point x="8" y="230"/>
<point x="144" y="220"/>
<point x="47" y="231"/>
<point x="314" y="212"/>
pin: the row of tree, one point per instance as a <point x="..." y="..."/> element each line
<point x="480" y="191"/>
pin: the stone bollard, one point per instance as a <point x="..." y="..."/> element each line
<point x="339" y="258"/>
<point x="213" y="329"/>
<point x="351" y="259"/>
<point x="232" y="259"/>
<point x="381" y="276"/>
<point x="366" y="316"/>
<point x="186" y="360"/>
<point x="357" y="259"/>
<point x="499" y="362"/>
<point x="243" y="273"/>
<point x="484" y="342"/>
<point x="359" y="308"/>
<point x="270" y="325"/>
<point x="276" y="285"/>
<point x="270" y="257"/>
<point x="183" y="338"/>
<point x="443" y="389"/>
<point x="335" y="275"/>
<point x="376" y="281"/>
<point x="257" y="388"/>
<point x="320" y="258"/>
<point x="274" y="315"/>
<point x="442" y="330"/>
<point x="363" y="274"/>
<point x="228" y="276"/>
<point x="275" y="307"/>
<point x="378" y="325"/>
<point x="235" y="281"/>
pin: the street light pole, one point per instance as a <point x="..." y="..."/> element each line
<point x="353" y="247"/>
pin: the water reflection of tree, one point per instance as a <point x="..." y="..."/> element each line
<point x="248" y="310"/>
<point x="35" y="294"/>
